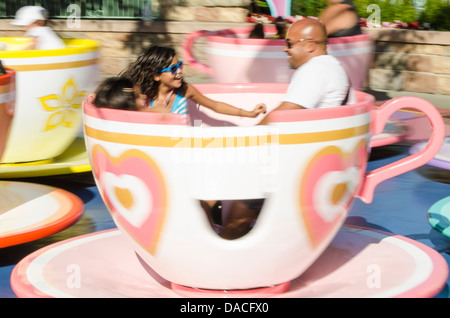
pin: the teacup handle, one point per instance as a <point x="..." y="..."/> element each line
<point x="379" y="119"/>
<point x="189" y="56"/>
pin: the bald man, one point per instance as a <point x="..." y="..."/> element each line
<point x="319" y="79"/>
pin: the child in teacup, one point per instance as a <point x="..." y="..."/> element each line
<point x="121" y="93"/>
<point x="158" y="72"/>
<point x="118" y="93"/>
<point x="33" y="19"/>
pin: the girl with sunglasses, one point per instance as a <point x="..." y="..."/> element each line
<point x="158" y="72"/>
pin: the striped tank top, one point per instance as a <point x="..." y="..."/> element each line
<point x="179" y="105"/>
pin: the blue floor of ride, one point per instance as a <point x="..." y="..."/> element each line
<point x="400" y="206"/>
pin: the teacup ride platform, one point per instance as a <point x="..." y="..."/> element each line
<point x="442" y="158"/>
<point x="74" y="160"/>
<point x="439" y="213"/>
<point x="413" y="128"/>
<point x="104" y="264"/>
<point x="418" y="130"/>
<point x="408" y="269"/>
<point x="32" y="211"/>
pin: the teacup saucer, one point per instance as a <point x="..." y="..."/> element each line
<point x="358" y="263"/>
<point x="22" y="218"/>
<point x="439" y="216"/>
<point x="74" y="160"/>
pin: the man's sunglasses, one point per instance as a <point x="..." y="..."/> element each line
<point x="290" y="44"/>
<point x="173" y="69"/>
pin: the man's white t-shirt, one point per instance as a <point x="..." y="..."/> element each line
<point x="47" y="39"/>
<point x="319" y="83"/>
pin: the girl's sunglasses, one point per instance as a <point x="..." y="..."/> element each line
<point x="173" y="69"/>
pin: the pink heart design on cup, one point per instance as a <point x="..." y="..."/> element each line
<point x="331" y="180"/>
<point x="133" y="189"/>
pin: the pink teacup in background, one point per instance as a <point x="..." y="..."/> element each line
<point x="231" y="57"/>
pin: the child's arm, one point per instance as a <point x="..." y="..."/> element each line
<point x="220" y="107"/>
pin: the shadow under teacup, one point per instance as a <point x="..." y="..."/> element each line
<point x="50" y="85"/>
<point x="308" y="166"/>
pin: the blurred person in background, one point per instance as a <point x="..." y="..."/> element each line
<point x="33" y="19"/>
<point x="340" y="19"/>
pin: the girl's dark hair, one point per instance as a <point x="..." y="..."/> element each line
<point x="142" y="71"/>
<point x="117" y="93"/>
<point x="280" y="24"/>
<point x="257" y="32"/>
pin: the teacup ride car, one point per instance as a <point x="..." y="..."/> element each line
<point x="41" y="121"/>
<point x="232" y="57"/>
<point x="44" y="135"/>
<point x="439" y="216"/>
<point x="307" y="166"/>
<point x="29" y="211"/>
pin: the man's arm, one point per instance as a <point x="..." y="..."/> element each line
<point x="283" y="106"/>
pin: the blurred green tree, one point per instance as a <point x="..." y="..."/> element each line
<point x="436" y="15"/>
<point x="307" y="8"/>
<point x="390" y="10"/>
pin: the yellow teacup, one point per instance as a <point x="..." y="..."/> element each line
<point x="50" y="85"/>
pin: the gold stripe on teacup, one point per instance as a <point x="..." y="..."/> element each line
<point x="182" y="141"/>
<point x="224" y="142"/>
<point x="303" y="138"/>
<point x="53" y="66"/>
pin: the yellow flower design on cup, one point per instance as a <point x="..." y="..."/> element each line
<point x="64" y="107"/>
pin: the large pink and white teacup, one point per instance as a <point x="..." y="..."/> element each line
<point x="50" y="85"/>
<point x="307" y="165"/>
<point x="231" y="57"/>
